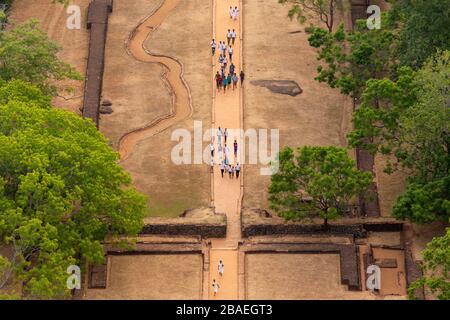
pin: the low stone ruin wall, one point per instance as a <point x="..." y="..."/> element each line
<point x="199" y="222"/>
<point x="257" y="222"/>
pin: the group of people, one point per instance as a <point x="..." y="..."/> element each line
<point x="223" y="78"/>
<point x="215" y="285"/>
<point x="226" y="166"/>
<point x="231" y="170"/>
<point x="234" y="13"/>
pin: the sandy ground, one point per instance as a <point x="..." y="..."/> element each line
<point x="318" y="116"/>
<point x="181" y="108"/>
<point x="390" y="187"/>
<point x="267" y="277"/>
<point x="140" y="95"/>
<point x="75" y="43"/>
<point x="162" y="277"/>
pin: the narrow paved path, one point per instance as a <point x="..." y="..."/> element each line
<point x="182" y="108"/>
<point x="227" y="191"/>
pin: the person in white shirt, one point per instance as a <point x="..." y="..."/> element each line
<point x="219" y="136"/>
<point x="235" y="13"/>
<point x="233" y="36"/>
<point x="215" y="286"/>
<point x="229" y="36"/>
<point x="213" y="46"/>
<point x="230" y="53"/>
<point x="230" y="171"/>
<point x="231" y="11"/>
<point x="221" y="267"/>
<point x="238" y="170"/>
<point x="222" y="167"/>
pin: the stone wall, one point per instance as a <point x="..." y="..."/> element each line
<point x="98" y="14"/>
<point x="257" y="222"/>
<point x="202" y="222"/>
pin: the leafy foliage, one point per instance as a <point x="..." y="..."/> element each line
<point x="424" y="29"/>
<point x="436" y="268"/>
<point x="351" y="58"/>
<point x="317" y="181"/>
<point x="26" y="53"/>
<point x="62" y="191"/>
<point x="325" y="10"/>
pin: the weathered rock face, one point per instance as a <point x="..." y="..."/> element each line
<point x="288" y="87"/>
<point x="106" y="109"/>
<point x="106" y="102"/>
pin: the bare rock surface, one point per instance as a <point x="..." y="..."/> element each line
<point x="288" y="87"/>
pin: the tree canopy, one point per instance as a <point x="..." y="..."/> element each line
<point x="409" y="118"/>
<point x="62" y="191"/>
<point x="26" y="53"/>
<point x="316" y="181"/>
<point x="423" y="29"/>
<point x="325" y="10"/>
<point x="436" y="269"/>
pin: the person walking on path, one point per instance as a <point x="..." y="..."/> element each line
<point x="221" y="267"/>
<point x="227" y="152"/>
<point x="231" y="12"/>
<point x="242" y="76"/>
<point x="235" y="80"/>
<point x="232" y="68"/>
<point x="225" y="135"/>
<point x="213" y="46"/>
<point x="218" y="80"/>
<point x="235" y="145"/>
<point x="230" y="172"/>
<point x="229" y="80"/>
<point x="211" y="147"/>
<point x="224" y="84"/>
<point x="215" y="286"/>
<point x="229" y="36"/>
<point x="235" y="13"/>
<point x="238" y="170"/>
<point x="233" y="37"/>
<point x="219" y="136"/>
<point x="222" y="47"/>
<point x="222" y="167"/>
<point x="224" y="62"/>
<point x="230" y="53"/>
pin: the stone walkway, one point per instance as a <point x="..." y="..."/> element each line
<point x="226" y="192"/>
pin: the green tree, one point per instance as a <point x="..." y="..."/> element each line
<point x="425" y="202"/>
<point x="352" y="58"/>
<point x="436" y="269"/>
<point x="325" y="10"/>
<point x="62" y="191"/>
<point x="423" y="29"/>
<point x="376" y="120"/>
<point x="26" y="53"/>
<point x="409" y="118"/>
<point x="424" y="134"/>
<point x="317" y="181"/>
